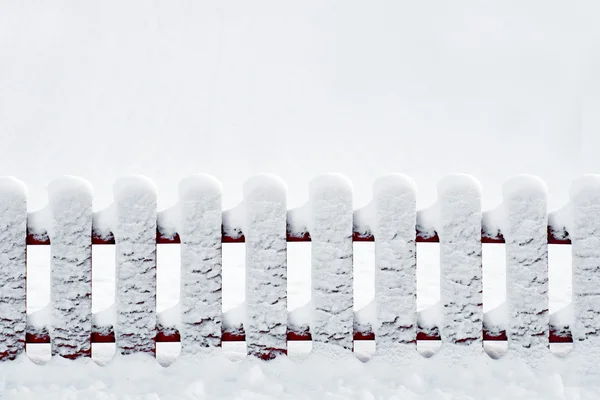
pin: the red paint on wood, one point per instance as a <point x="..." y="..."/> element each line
<point x="558" y="236"/>
<point x="108" y="337"/>
<point x="235" y="336"/>
<point x="364" y="335"/>
<point x="295" y="336"/>
<point x="555" y="236"/>
<point x="37" y="338"/>
<point x="167" y="239"/>
<point x="494" y="337"/>
<point x="170" y="336"/>
<point x="304" y="237"/>
<point x="423" y="237"/>
<point x="427" y="336"/>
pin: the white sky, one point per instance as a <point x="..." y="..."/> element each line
<point x="233" y="88"/>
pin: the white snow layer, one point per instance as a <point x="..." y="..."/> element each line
<point x="525" y="232"/>
<point x="201" y="260"/>
<point x="459" y="199"/>
<point x="70" y="231"/>
<point x="13" y="232"/>
<point x="395" y="264"/>
<point x="585" y="237"/>
<point x="316" y="377"/>
<point x="135" y="240"/>
<point x="266" y="265"/>
<point x="331" y="262"/>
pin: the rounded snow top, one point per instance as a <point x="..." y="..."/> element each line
<point x="459" y="184"/>
<point x="134" y="185"/>
<point x="330" y="182"/>
<point x="264" y="186"/>
<point x="586" y="190"/>
<point x="70" y="186"/>
<point x="11" y="186"/>
<point x="199" y="185"/>
<point x="394" y="183"/>
<point x="525" y="185"/>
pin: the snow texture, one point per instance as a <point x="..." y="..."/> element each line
<point x="70" y="231"/>
<point x="331" y="258"/>
<point x="297" y="221"/>
<point x="585" y="237"/>
<point x="13" y="250"/>
<point x="201" y="261"/>
<point x="140" y="377"/>
<point x="266" y="265"/>
<point x="135" y="238"/>
<point x="459" y="198"/>
<point x="394" y="202"/>
<point x="525" y="232"/>
<point x="103" y="220"/>
<point x="105" y="319"/>
<point x="496" y="319"/>
<point x="234" y="319"/>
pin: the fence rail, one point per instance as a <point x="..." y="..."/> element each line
<point x="264" y="224"/>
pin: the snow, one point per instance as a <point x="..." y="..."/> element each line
<point x="200" y="219"/>
<point x="461" y="263"/>
<point x="297" y="220"/>
<point x="330" y="229"/>
<point x="316" y="376"/>
<point x="13" y="219"/>
<point x="524" y="185"/>
<point x="265" y="230"/>
<point x="394" y="203"/>
<point x="70" y="232"/>
<point x="585" y="236"/>
<point x="135" y="248"/>
<point x="172" y="88"/>
<point x="525" y="232"/>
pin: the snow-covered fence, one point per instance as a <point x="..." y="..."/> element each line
<point x="264" y="224"/>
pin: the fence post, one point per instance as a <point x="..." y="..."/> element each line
<point x="585" y="239"/>
<point x="201" y="257"/>
<point x="395" y="219"/>
<point x="526" y="236"/>
<point x="13" y="267"/>
<point x="70" y="233"/>
<point x="135" y="239"/>
<point x="330" y="229"/>
<point x="459" y="198"/>
<point x="266" y="266"/>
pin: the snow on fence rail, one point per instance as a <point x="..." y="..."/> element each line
<point x="264" y="224"/>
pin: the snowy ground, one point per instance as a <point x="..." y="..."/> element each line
<point x="170" y="88"/>
<point x="299" y="377"/>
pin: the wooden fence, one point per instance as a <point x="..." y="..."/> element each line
<point x="265" y="225"/>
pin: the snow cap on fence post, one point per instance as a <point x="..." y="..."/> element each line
<point x="70" y="232"/>
<point x="265" y="219"/>
<point x="13" y="266"/>
<point x="585" y="239"/>
<point x="459" y="199"/>
<point x="135" y="240"/>
<point x="330" y="227"/>
<point x="393" y="226"/>
<point x="201" y="260"/>
<point x="525" y="231"/>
